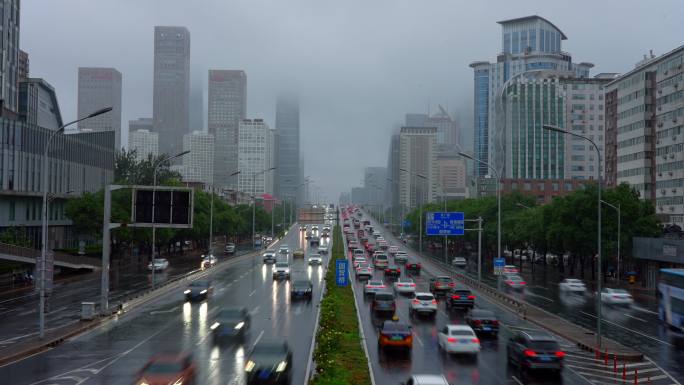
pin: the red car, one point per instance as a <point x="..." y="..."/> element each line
<point x="168" y="369"/>
<point x="412" y="267"/>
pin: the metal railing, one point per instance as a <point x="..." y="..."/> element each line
<point x="28" y="252"/>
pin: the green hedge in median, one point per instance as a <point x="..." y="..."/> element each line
<point x="339" y="356"/>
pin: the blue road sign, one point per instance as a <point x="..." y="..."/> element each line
<point x="445" y="223"/>
<point x="406" y="223"/>
<point x="341" y="272"/>
<point x="499" y="264"/>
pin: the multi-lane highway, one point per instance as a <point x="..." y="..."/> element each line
<point x="113" y="353"/>
<point x="491" y="366"/>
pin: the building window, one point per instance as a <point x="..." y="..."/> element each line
<point x="554" y="186"/>
<point x="541" y="186"/>
<point x="568" y="187"/>
<point x="528" y="186"/>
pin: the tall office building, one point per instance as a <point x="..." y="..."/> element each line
<point x="254" y="152"/>
<point x="99" y="88"/>
<point x="198" y="165"/>
<point x="289" y="173"/>
<point x="417" y="156"/>
<point x="9" y="60"/>
<point x="144" y="142"/>
<point x="447" y="135"/>
<point x="392" y="180"/>
<point x="171" y="89"/>
<point x="530" y="45"/>
<point x="374" y="182"/>
<point x="38" y="104"/>
<point x="227" y="106"/>
<point x="649" y="121"/>
<point x="23" y="68"/>
<point x="140" y="124"/>
<point x="451" y="177"/>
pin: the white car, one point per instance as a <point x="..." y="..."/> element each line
<point x="373" y="286"/>
<point x="364" y="270"/>
<point x="405" y="286"/>
<point x="281" y="269"/>
<point x="381" y="261"/>
<point x="358" y="253"/>
<point x="269" y="256"/>
<point x="359" y="260"/>
<point x="401" y="257"/>
<point x="458" y="339"/>
<point x="208" y="261"/>
<point x="423" y="303"/>
<point x="284" y="249"/>
<point x="159" y="264"/>
<point x="616" y="297"/>
<point x="322" y="249"/>
<point x="510" y="269"/>
<point x="393" y="250"/>
<point x="460" y="262"/>
<point x="572" y="285"/>
<point x="315" y="259"/>
<point x="426" y="379"/>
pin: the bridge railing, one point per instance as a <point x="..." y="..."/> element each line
<point x="28" y="252"/>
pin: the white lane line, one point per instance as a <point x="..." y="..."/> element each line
<point x="255" y="310"/>
<point x="636" y="318"/>
<point x="639" y="308"/>
<point x="666" y="373"/>
<point x="516" y="380"/>
<point x="418" y="339"/>
<point x="631" y="330"/>
<point x="540" y="296"/>
<point x="252" y="293"/>
<point x="256" y="341"/>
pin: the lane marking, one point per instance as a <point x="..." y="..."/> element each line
<point x="636" y="318"/>
<point x="631" y="330"/>
<point x="517" y="380"/>
<point x="418" y="339"/>
<point x="256" y="341"/>
<point x="252" y="293"/>
<point x="26" y="312"/>
<point x="639" y="308"/>
<point x="164" y="311"/>
<point x="539" y="296"/>
<point x="255" y="310"/>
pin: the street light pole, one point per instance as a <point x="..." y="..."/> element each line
<point x="616" y="208"/>
<point x="254" y="201"/>
<point x="44" y="227"/>
<point x="600" y="270"/>
<point x="420" y="209"/>
<point x="154" y="192"/>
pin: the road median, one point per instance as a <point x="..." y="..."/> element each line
<point x="339" y="355"/>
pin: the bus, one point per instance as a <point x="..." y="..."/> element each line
<point x="671" y="303"/>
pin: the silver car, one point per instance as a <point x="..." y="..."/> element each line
<point x="315" y="259"/>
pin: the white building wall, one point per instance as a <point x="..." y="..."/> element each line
<point x="253" y="156"/>
<point x="198" y="165"/>
<point x="145" y="143"/>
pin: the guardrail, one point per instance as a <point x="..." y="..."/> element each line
<point x="27" y="252"/>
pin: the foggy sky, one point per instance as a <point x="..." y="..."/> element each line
<point x="358" y="65"/>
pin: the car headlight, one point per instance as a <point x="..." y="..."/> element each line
<point x="179" y="382"/>
<point x="143" y="382"/>
<point x="203" y="291"/>
<point x="239" y="325"/>
<point x="250" y="366"/>
<point x="214" y="325"/>
<point x="281" y="366"/>
<point x="188" y="291"/>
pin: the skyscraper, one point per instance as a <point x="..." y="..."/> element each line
<point x="254" y="152"/>
<point x="289" y="173"/>
<point x="99" y="88"/>
<point x="170" y="109"/>
<point x="198" y="165"/>
<point x="227" y="106"/>
<point x="418" y="156"/>
<point x="9" y="60"/>
<point x="530" y="45"/>
<point x="144" y="142"/>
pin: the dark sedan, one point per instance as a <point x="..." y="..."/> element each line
<point x="483" y="322"/>
<point x="301" y="288"/>
<point x="230" y="323"/>
<point x="460" y="297"/>
<point x="269" y="363"/>
<point x="198" y="290"/>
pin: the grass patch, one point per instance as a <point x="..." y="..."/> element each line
<point x="339" y="355"/>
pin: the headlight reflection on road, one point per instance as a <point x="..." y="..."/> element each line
<point x="320" y="273"/>
<point x="215" y="353"/>
<point x="187" y="313"/>
<point x="264" y="270"/>
<point x="203" y="310"/>
<point x="309" y="271"/>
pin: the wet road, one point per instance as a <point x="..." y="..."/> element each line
<point x="112" y="354"/>
<point x="491" y="367"/>
<point x="19" y="311"/>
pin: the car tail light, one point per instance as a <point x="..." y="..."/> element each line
<point x="455" y="297"/>
<point x="477" y="322"/>
<point x="434" y="302"/>
<point x="471" y="297"/>
<point x="475" y="340"/>
<point x="495" y="322"/>
<point x="412" y="285"/>
<point x="560" y="354"/>
<point x="529" y="353"/>
<point x="387" y="270"/>
<point x="508" y="282"/>
<point x="398" y="270"/>
<point x="522" y="282"/>
<point x="416" y="301"/>
<point x="451" y="339"/>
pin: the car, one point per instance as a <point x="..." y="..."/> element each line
<point x="322" y="249"/>
<point x="364" y="240"/>
<point x="268" y="239"/>
<point x="510" y="269"/>
<point x="425" y="379"/>
<point x="231" y="322"/>
<point x="284" y="249"/>
<point x="616" y="297"/>
<point x="364" y="270"/>
<point x="533" y="350"/>
<point x="393" y="334"/>
<point x="514" y="282"/>
<point x="315" y="240"/>
<point x="441" y="284"/>
<point x="412" y="267"/>
<point x="281" y="270"/>
<point x="301" y="288"/>
<point x="376" y="234"/>
<point x="302" y="228"/>
<point x="383" y="245"/>
<point x="314" y="228"/>
<point x="208" y="261"/>
<point x="229" y="249"/>
<point x="572" y="285"/>
<point x="458" y="339"/>
<point x="423" y="303"/>
<point x="380" y="261"/>
<point x="198" y="290"/>
<point x="483" y="321"/>
<point x="307" y="235"/>
<point x="160" y="264"/>
<point x="269" y="256"/>
<point x="358" y="253"/>
<point x="168" y="369"/>
<point x="352" y="245"/>
<point x="269" y="362"/>
<point x="460" y="297"/>
<point x="325" y="234"/>
<point x="393" y="250"/>
<point x="383" y="302"/>
<point x="401" y="257"/>
<point x="460" y="262"/>
<point x="373" y="286"/>
<point x="299" y="253"/>
<point x="405" y="286"/>
<point x="369" y="248"/>
<point x="359" y="260"/>
<point x="315" y="259"/>
<point x="392" y="272"/>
